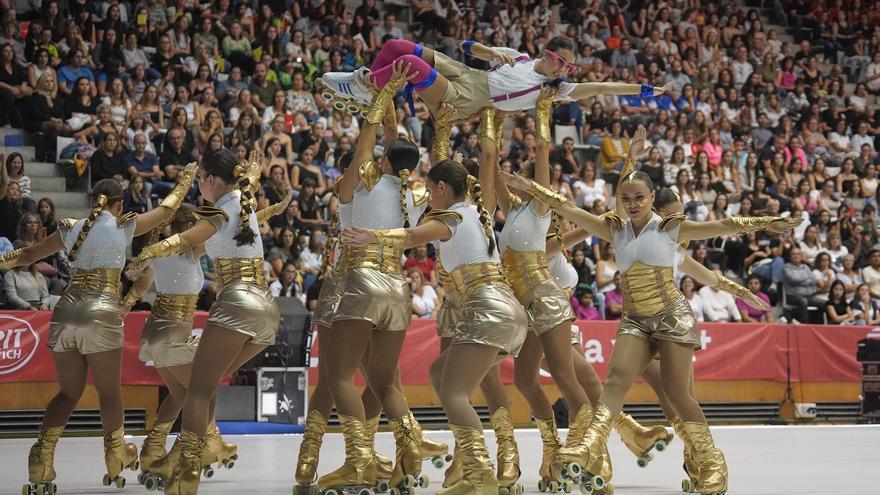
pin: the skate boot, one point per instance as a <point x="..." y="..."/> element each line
<point x="216" y="450"/>
<point x="382" y="466"/>
<point x="408" y="464"/>
<point x="713" y="467"/>
<point x="347" y="90"/>
<point x="690" y="465"/>
<point x="508" y="453"/>
<point x="437" y="452"/>
<point x="641" y="440"/>
<point x="309" y="449"/>
<point x="118" y="455"/>
<point x="355" y="473"/>
<point x="186" y="472"/>
<point x="551" y="443"/>
<point x="41" y="460"/>
<point x="577" y="427"/>
<point x="582" y="464"/>
<point x="607" y="472"/>
<point x="477" y="476"/>
<point x="158" y="472"/>
<point x="455" y="471"/>
<point x="153" y="447"/>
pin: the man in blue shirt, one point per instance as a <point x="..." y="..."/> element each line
<point x="68" y="74"/>
<point x="142" y="162"/>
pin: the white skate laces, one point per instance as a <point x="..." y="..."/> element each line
<point x="349" y="85"/>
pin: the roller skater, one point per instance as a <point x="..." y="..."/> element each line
<point x="118" y="455"/>
<point x="41" y="469"/>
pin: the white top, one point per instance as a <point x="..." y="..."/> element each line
<point x="105" y="245"/>
<point x="181" y="274"/>
<point x="344" y="223"/>
<point x="563" y="273"/>
<point x="718" y="305"/>
<point x="696" y="306"/>
<point x="652" y="247"/>
<point x="524" y="229"/>
<point x="222" y="244"/>
<point x="379" y="208"/>
<point x="588" y="194"/>
<point x="425" y="303"/>
<point x="468" y="243"/>
<point x="504" y="79"/>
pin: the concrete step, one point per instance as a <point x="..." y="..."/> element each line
<point x="48" y="184"/>
<point x="42" y="169"/>
<point x="64" y="201"/>
<point x="28" y="152"/>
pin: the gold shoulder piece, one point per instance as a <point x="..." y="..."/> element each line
<point x="209" y="212"/>
<point x="612" y="219"/>
<point x="443" y="215"/>
<point x="67" y="223"/>
<point x="370" y="174"/>
<point x="125" y="218"/>
<point x="420" y="193"/>
<point x="670" y="221"/>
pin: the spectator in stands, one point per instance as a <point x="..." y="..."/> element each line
<point x="614" y="148"/>
<point x="312" y="259"/>
<point x="285" y="250"/>
<point x="262" y="90"/>
<point x="837" y="309"/>
<point x="13" y="86"/>
<point x="108" y="162"/>
<point x="136" y="198"/>
<point x="799" y="283"/>
<point x="43" y="108"/>
<point x="15" y="172"/>
<point x="614" y="300"/>
<point x="289" y="283"/>
<point x="424" y="298"/>
<point x="291" y="220"/>
<point x="388" y="28"/>
<point x="866" y="310"/>
<point x="419" y="259"/>
<point x="69" y="75"/>
<point x="718" y="306"/>
<point x="26" y="288"/>
<point x="46" y="211"/>
<point x="582" y="304"/>
<point x="871" y="273"/>
<point x="750" y="314"/>
<point x="12" y="206"/>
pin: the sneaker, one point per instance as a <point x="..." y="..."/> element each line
<point x="349" y="85"/>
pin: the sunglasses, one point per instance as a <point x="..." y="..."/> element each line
<point x="560" y="62"/>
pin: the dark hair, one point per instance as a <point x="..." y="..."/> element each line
<point x="345" y="160"/>
<point x="559" y="43"/>
<point x="184" y="216"/>
<point x="753" y="277"/>
<point x="835" y="283"/>
<point x="402" y="154"/>
<point x="456" y="176"/>
<point x="472" y="167"/>
<point x="9" y="159"/>
<point x="222" y="163"/>
<point x="105" y="193"/>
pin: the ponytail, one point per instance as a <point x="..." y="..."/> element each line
<point x="556" y="223"/>
<point x="404" y="186"/>
<point x="100" y="202"/>
<point x="247" y="183"/>
<point x="476" y="193"/>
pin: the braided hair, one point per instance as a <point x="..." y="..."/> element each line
<point x="223" y="164"/>
<point x="556" y="224"/>
<point x="106" y="192"/>
<point x="403" y="156"/>
<point x="476" y="192"/>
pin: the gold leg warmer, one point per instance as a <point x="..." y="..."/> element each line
<point x="358" y="457"/>
<point x="408" y="440"/>
<point x="118" y="455"/>
<point x="186" y="473"/>
<point x="690" y="466"/>
<point x="508" y="453"/>
<point x="477" y="476"/>
<point x="713" y="467"/>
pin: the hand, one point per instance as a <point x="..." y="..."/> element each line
<point x="756" y="302"/>
<point x="514" y="181"/>
<point x="637" y="148"/>
<point x="190" y="170"/>
<point x="356" y="236"/>
<point x="400" y="74"/>
<point x="504" y="58"/>
<point x="784" y="224"/>
<point x="446" y="111"/>
<point x="458" y="157"/>
<point x="666" y="88"/>
<point x="135" y="270"/>
<point x="44" y="307"/>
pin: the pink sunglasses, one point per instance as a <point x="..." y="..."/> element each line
<point x="560" y="62"/>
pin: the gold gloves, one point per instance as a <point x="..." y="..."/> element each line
<point x="440" y="148"/>
<point x="755" y="224"/>
<point x="390" y="237"/>
<point x="10" y="259"/>
<point x="383" y="101"/>
<point x="487" y="125"/>
<point x="168" y="247"/>
<point x="542" y="117"/>
<point x="178" y="194"/>
<point x="552" y="199"/>
<point x="731" y="287"/>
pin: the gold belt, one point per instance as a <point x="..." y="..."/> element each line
<point x="240" y="270"/>
<point x="385" y="259"/>
<point x="648" y="290"/>
<point x="445" y="279"/>
<point x="525" y="270"/>
<point x="175" y="306"/>
<point x="95" y="280"/>
<point x="468" y="278"/>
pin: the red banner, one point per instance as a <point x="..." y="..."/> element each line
<point x="24" y="356"/>
<point x="730" y="352"/>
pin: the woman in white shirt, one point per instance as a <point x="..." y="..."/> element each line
<point x="687" y="289"/>
<point x="589" y="188"/>
<point x="424" y="297"/>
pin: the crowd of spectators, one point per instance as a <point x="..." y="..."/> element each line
<point x="760" y="120"/>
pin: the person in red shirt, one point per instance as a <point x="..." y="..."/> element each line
<point x="419" y="259"/>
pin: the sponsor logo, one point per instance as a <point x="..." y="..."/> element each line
<point x="18" y="343"/>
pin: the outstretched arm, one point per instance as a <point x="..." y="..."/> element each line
<point x="149" y="220"/>
<point x="29" y="255"/>
<point x="486" y="53"/>
<point x="590" y="89"/>
<point x="694" y="231"/>
<point x="178" y="243"/>
<point x="542" y="143"/>
<point x="419" y="235"/>
<point x="570" y="239"/>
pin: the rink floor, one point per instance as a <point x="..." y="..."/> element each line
<point x="840" y="460"/>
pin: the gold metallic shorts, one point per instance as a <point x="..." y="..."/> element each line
<point x="167" y="342"/>
<point x="547" y="307"/>
<point x="676" y="323"/>
<point x="247" y="309"/>
<point x="86" y="322"/>
<point x="468" y="89"/>
<point x="328" y="300"/>
<point x="492" y="316"/>
<point x="382" y="299"/>
<point x="448" y="316"/>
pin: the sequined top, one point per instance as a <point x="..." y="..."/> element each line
<point x="651" y="247"/>
<point x="562" y="272"/>
<point x="106" y="244"/>
<point x="379" y="207"/>
<point x="344" y="223"/>
<point x="222" y="244"/>
<point x="180" y="274"/>
<point x="468" y="243"/>
<point x="524" y="229"/>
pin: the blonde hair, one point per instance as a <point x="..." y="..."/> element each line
<point x="41" y="83"/>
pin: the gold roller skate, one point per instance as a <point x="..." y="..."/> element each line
<point x="158" y="472"/>
<point x="455" y="471"/>
<point x="355" y="474"/>
<point x="153" y="447"/>
<point x="383" y="467"/>
<point x="583" y="463"/>
<point x="185" y="476"/>
<point x="407" y="473"/>
<point x="477" y="476"/>
<point x="690" y="466"/>
<point x="607" y="472"/>
<point x="508" y="453"/>
<point x="551" y="444"/>
<point x="436" y="452"/>
<point x="713" y="467"/>
<point x="640" y="440"/>
<point x="118" y="455"/>
<point x="216" y="450"/>
<point x="577" y="428"/>
<point x="309" y="450"/>
<point x="41" y="462"/>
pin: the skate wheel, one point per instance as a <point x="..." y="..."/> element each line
<point x="327" y="95"/>
<point x="643" y="461"/>
<point x="609" y="489"/>
<point x="25" y="489"/>
<point x="422" y="481"/>
<point x="586" y="488"/>
<point x="141" y="477"/>
<point x="151" y="483"/>
<point x="503" y="490"/>
<point x="541" y="485"/>
<point x="106" y="481"/>
<point x="552" y="487"/>
<point x="437" y="462"/>
<point x="395" y="490"/>
<point x="134" y="466"/>
<point x="382" y="486"/>
<point x="573" y="470"/>
<point x="661" y="445"/>
<point x="365" y="491"/>
<point x="686" y="486"/>
<point x="353" y="108"/>
<point x="208" y="472"/>
<point x="331" y="491"/>
<point x="447" y="458"/>
<point x="339" y="105"/>
<point x="598" y="482"/>
<point x="120" y="482"/>
<point x="518" y="489"/>
<point x="409" y="481"/>
<point x="229" y="463"/>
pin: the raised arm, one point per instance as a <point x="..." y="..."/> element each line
<point x="488" y="156"/>
<point x="176" y="244"/>
<point x="589" y="89"/>
<point x="149" y="220"/>
<point x="272" y="210"/>
<point x="542" y="143"/>
<point x="425" y="232"/>
<point x="695" y="231"/>
<point x="29" y="255"/>
<point x="570" y="239"/>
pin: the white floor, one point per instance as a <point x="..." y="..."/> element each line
<point x="785" y="460"/>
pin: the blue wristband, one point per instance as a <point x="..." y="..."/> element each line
<point x="466" y="47"/>
<point x="647" y="90"/>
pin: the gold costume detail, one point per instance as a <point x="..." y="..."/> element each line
<point x="419" y="192"/>
<point x="188" y="468"/>
<point x="358" y="457"/>
<point x="383" y="467"/>
<point x="713" y="467"/>
<point x="487" y="125"/>
<point x="443" y="215"/>
<point x="370" y="174"/>
<point x="525" y="270"/>
<point x="467" y="279"/>
<point x="550" y="448"/>
<point x="442" y="131"/>
<point x="10" y="260"/>
<point x="612" y="219"/>
<point x="310" y="448"/>
<point x="408" y="440"/>
<point x="394" y="238"/>
<point x="210" y="212"/>
<point x="733" y="288"/>
<point x="95" y="281"/>
<point x="578" y="426"/>
<point x="178" y="194"/>
<point x="175" y="306"/>
<point x="640" y="440"/>
<point x="41" y="458"/>
<point x="125" y="218"/>
<point x="375" y="256"/>
<point x="590" y="451"/>
<point x="647" y="289"/>
<point x="753" y="224"/>
<point x="67" y="223"/>
<point x="691" y="468"/>
<point x="508" y="453"/>
<point x="153" y="447"/>
<point x="675" y="323"/>
<point x="240" y="270"/>
<point x="542" y="118"/>
<point x="132" y="296"/>
<point x="382" y="101"/>
<point x="270" y="211"/>
<point x="513" y="201"/>
<point x="550" y="198"/>
<point x="118" y="455"/>
<point x="670" y="221"/>
<point x="168" y="247"/>
<point x="477" y="476"/>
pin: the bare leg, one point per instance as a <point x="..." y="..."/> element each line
<point x="493" y="389"/>
<point x="629" y="357"/>
<point x="675" y="374"/>
<point x="384" y="355"/>
<point x="107" y="375"/>
<point x="173" y="403"/>
<point x="465" y="366"/>
<point x="557" y="347"/>
<point x="586" y="376"/>
<point x="72" y="370"/>
<point x="526" y="377"/>
<point x="372" y="404"/>
<point x="321" y="399"/>
<point x="351" y="338"/>
<point x="651" y="374"/>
